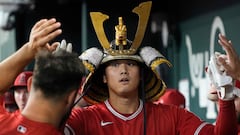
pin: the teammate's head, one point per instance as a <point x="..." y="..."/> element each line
<point x="172" y="97"/>
<point x="20" y="89"/>
<point x="22" y="78"/>
<point x="121" y="48"/>
<point x="9" y="101"/>
<point x="57" y="74"/>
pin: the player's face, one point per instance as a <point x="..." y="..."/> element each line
<point x="122" y="78"/>
<point x="21" y="97"/>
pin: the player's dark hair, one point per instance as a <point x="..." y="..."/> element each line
<point x="56" y="74"/>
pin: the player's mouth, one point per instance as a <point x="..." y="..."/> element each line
<point x="124" y="80"/>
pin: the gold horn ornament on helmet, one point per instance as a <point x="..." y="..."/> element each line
<point x="98" y="18"/>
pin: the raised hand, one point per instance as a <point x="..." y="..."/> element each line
<point x="42" y="33"/>
<point x="230" y="61"/>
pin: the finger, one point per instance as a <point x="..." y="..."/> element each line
<point x="69" y="47"/>
<point x="58" y="47"/>
<point x="54" y="46"/>
<point x="39" y="23"/>
<point x="35" y="30"/>
<point x="222" y="37"/>
<point x="45" y="28"/>
<point x="231" y="53"/>
<point x="227" y="46"/>
<point x="43" y="24"/>
<point x="222" y="58"/>
<point x="234" y="53"/>
<point x="224" y="42"/>
<point x="63" y="44"/>
<point x="50" y="31"/>
<point x="47" y="38"/>
<point x="50" y="28"/>
<point x="47" y="24"/>
<point x="225" y="65"/>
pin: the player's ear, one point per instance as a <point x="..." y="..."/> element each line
<point x="104" y="79"/>
<point x="71" y="97"/>
<point x="29" y="83"/>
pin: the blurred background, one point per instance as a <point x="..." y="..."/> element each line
<point x="185" y="32"/>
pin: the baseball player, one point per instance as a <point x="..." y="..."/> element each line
<point x="20" y="89"/>
<point x="54" y="84"/>
<point x="122" y="85"/>
<point x="8" y="101"/>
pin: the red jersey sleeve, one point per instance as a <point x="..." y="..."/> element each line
<point x="226" y="123"/>
<point x="227" y="114"/>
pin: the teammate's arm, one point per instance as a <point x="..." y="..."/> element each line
<point x="41" y="34"/>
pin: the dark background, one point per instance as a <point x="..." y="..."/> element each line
<point x="69" y="13"/>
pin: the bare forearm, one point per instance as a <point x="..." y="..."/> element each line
<point x="13" y="65"/>
<point x="41" y="34"/>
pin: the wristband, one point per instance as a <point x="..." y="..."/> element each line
<point x="226" y="93"/>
